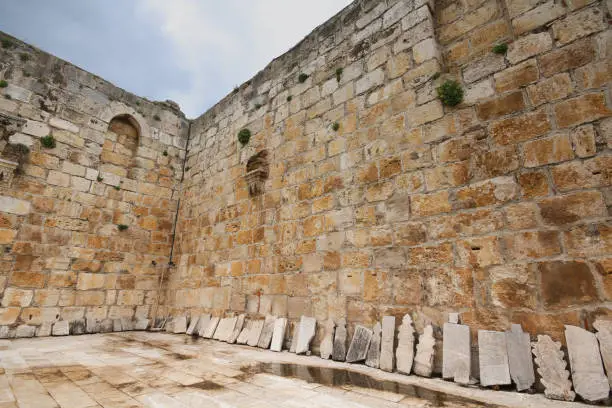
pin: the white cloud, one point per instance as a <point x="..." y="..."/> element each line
<point x="223" y="43"/>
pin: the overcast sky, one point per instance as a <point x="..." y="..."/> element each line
<point x="191" y="51"/>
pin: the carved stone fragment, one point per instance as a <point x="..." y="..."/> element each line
<point x="552" y="369"/>
<point x="373" y="358"/>
<point x="424" y="358"/>
<point x="327" y="345"/>
<point x="604" y="336"/>
<point x="456" y="353"/>
<point x="339" y="351"/>
<point x="404" y="355"/>
<point x="266" y="334"/>
<point x="519" y="358"/>
<point x="358" y="350"/>
<point x="237" y="329"/>
<point x="590" y="381"/>
<point x="278" y="335"/>
<point x="493" y="358"/>
<point x="387" y="344"/>
<point x="306" y="332"/>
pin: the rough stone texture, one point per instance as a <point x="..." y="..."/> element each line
<point x="327" y="344"/>
<point x="424" y="358"/>
<point x="210" y="329"/>
<point x="519" y="358"/>
<point x="387" y="344"/>
<point x="339" y="350"/>
<point x="243" y="337"/>
<point x="493" y="358"/>
<point x="180" y="324"/>
<point x="306" y="332"/>
<point x="233" y="338"/>
<point x="193" y="325"/>
<point x="255" y="333"/>
<point x="141" y="324"/>
<point x="358" y="349"/>
<point x="25" y="331"/>
<point x="61" y="328"/>
<point x="456" y="353"/>
<point x="604" y="337"/>
<point x="552" y="369"/>
<point x="267" y="332"/>
<point x="590" y="381"/>
<point x="203" y="323"/>
<point x="373" y="357"/>
<point x="278" y="335"/>
<point x="404" y="354"/>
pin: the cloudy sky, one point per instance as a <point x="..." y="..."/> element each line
<point x="191" y="51"/>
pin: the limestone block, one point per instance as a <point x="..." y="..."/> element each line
<point x="193" y="324"/>
<point x="306" y="332"/>
<point x="551" y="367"/>
<point x="404" y="354"/>
<point x="107" y="326"/>
<point x="424" y="358"/>
<point x="373" y="357"/>
<point x="117" y="326"/>
<point x="339" y="350"/>
<point x="604" y="336"/>
<point x="493" y="358"/>
<point x="221" y="327"/>
<point x="14" y="206"/>
<point x="203" y="323"/>
<point x="209" y="332"/>
<point x="358" y="349"/>
<point x="78" y="327"/>
<point x="237" y="329"/>
<point x="255" y="333"/>
<point x="127" y="324"/>
<point x="387" y="344"/>
<point x="519" y="358"/>
<point x="61" y="328"/>
<point x="243" y="337"/>
<point x="590" y="381"/>
<point x="63" y="125"/>
<point x="327" y="345"/>
<point x="141" y="324"/>
<point x="44" y="330"/>
<point x="456" y="353"/>
<point x="36" y="129"/>
<point x="278" y="335"/>
<point x="267" y="332"/>
<point x="93" y="325"/>
<point x="228" y="329"/>
<point x="25" y="330"/>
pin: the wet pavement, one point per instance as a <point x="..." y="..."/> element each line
<point x="139" y="369"/>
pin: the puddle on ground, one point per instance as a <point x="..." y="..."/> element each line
<point x="338" y="377"/>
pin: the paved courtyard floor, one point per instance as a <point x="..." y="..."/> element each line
<point x="140" y="369"/>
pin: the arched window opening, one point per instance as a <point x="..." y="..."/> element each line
<point x="120" y="147"/>
<point x="257" y="171"/>
<point x="126" y="129"/>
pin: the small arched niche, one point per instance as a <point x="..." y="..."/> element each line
<point x="128" y="134"/>
<point x="257" y="171"/>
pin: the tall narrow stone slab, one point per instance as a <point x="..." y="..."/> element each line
<point x="551" y="367"/>
<point x="327" y="345"/>
<point x="61" y="328"/>
<point x="267" y="332"/>
<point x="193" y="324"/>
<point x="278" y="335"/>
<point x="180" y="324"/>
<point x="294" y="339"/>
<point x="229" y="329"/>
<point x="590" y="381"/>
<point x="221" y="328"/>
<point x="339" y="351"/>
<point x="424" y="358"/>
<point x="212" y="327"/>
<point x="255" y="333"/>
<point x="604" y="336"/>
<point x="456" y="353"/>
<point x="493" y="358"/>
<point x="358" y="350"/>
<point x="519" y="358"/>
<point x="117" y="326"/>
<point x="237" y="329"/>
<point x="387" y="344"/>
<point x="306" y="332"/>
<point x="203" y="324"/>
<point x="243" y="337"/>
<point x="141" y="324"/>
<point x="404" y="355"/>
<point x="373" y="357"/>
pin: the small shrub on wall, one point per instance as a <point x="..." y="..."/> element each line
<point x="450" y="93"/>
<point x="244" y="136"/>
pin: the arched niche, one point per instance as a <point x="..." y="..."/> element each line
<point x="128" y="134"/>
<point x="257" y="171"/>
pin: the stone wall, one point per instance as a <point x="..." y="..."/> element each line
<point x="497" y="208"/>
<point x="63" y="255"/>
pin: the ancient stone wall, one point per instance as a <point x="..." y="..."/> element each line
<point x="380" y="200"/>
<point x="117" y="160"/>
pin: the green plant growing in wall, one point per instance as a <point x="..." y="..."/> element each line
<point x="500" y="48"/>
<point x="7" y="44"/>
<point x="257" y="106"/>
<point x="3" y="83"/>
<point x="450" y="93"/>
<point x="157" y="118"/>
<point x="26" y="74"/>
<point x="435" y="76"/>
<point x="7" y="96"/>
<point x="117" y="188"/>
<point x="48" y="142"/>
<point x="335" y="126"/>
<point x="24" y="57"/>
<point x="244" y="136"/>
<point x="165" y="153"/>
<point x="236" y="89"/>
<point x="289" y="98"/>
<point x="100" y="178"/>
<point x="302" y="77"/>
<point x="339" y="72"/>
<point x="122" y="227"/>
